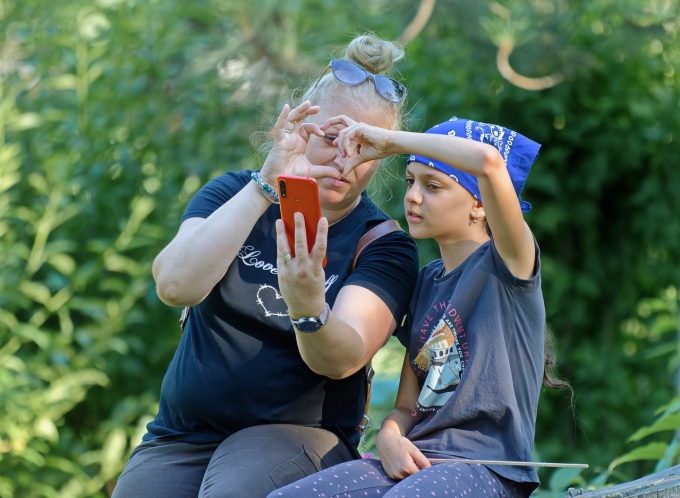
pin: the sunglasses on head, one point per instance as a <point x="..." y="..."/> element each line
<point x="353" y="74"/>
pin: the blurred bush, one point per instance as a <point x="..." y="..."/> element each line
<point x="114" y="112"/>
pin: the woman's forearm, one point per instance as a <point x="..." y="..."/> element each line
<point x="359" y="325"/>
<point x="335" y="351"/>
<point x="197" y="258"/>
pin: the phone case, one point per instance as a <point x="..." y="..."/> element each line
<point x="299" y="194"/>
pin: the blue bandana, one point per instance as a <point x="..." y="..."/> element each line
<point x="519" y="153"/>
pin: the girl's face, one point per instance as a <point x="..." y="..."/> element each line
<point x="339" y="194"/>
<point x="436" y="206"/>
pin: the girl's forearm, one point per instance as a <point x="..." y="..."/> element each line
<point x="397" y="421"/>
<point x="469" y="156"/>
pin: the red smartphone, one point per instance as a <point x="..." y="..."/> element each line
<point x="299" y="194"/>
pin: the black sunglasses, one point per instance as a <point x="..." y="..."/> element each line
<point x="352" y="74"/>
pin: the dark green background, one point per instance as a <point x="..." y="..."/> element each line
<point x="114" y="112"/>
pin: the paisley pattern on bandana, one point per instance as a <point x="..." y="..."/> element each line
<point x="518" y="152"/>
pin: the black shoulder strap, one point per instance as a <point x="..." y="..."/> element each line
<point x="387" y="226"/>
<point x="372" y="235"/>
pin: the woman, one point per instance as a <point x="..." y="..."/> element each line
<point x="251" y="401"/>
<point x="475" y="332"/>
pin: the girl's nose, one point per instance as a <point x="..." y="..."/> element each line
<point x="413" y="195"/>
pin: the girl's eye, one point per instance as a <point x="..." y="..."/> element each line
<point x="409" y="181"/>
<point x="330" y="138"/>
<point x="432" y="186"/>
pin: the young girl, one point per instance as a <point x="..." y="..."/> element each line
<point x="475" y="332"/>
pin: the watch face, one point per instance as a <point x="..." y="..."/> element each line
<point x="309" y="325"/>
<point x="313" y="323"/>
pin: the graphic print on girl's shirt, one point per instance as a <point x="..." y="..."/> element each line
<point x="443" y="357"/>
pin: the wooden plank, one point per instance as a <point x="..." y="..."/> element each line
<point x="664" y="484"/>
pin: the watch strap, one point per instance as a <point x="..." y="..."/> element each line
<point x="310" y="324"/>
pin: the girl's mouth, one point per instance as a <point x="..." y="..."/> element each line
<point x="411" y="216"/>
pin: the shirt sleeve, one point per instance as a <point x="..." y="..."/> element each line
<point x="403" y="332"/>
<point x="501" y="271"/>
<point x="388" y="267"/>
<point x="213" y="194"/>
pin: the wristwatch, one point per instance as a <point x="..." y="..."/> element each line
<point x="309" y="324"/>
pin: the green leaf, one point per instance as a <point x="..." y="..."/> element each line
<point x="36" y="291"/>
<point x="562" y="478"/>
<point x="667" y="422"/>
<point x="45" y="428"/>
<point x="112" y="457"/>
<point x="600" y="480"/>
<point x="672" y="406"/>
<point x="668" y="457"/>
<point x="62" y="263"/>
<point x="33" y="334"/>
<point x="652" y="451"/>
<point x="7" y="487"/>
<point x="25" y="121"/>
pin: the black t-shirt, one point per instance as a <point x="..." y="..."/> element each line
<point x="475" y="338"/>
<point x="238" y="365"/>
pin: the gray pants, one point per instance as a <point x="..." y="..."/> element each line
<point x="251" y="462"/>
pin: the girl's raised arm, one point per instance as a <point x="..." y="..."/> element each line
<point x="489" y="161"/>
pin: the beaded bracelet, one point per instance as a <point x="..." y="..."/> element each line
<point x="269" y="193"/>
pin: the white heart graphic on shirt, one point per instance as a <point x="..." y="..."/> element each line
<point x="265" y="294"/>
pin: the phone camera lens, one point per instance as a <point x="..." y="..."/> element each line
<point x="282" y="188"/>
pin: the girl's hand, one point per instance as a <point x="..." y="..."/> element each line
<point x="400" y="457"/>
<point x="359" y="143"/>
<point x="302" y="280"/>
<point x="290" y="141"/>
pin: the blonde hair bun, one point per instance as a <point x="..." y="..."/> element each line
<point x="374" y="54"/>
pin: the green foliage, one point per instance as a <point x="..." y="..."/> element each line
<point x="657" y="322"/>
<point x="114" y="112"/>
<point x="655" y="319"/>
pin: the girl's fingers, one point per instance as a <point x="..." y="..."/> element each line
<point x="319" y="249"/>
<point x="400" y="469"/>
<point x="346" y="140"/>
<point x="352" y="163"/>
<point x="335" y="120"/>
<point x="411" y="467"/>
<point x="420" y="460"/>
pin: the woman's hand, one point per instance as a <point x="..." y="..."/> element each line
<point x="400" y="457"/>
<point x="302" y="280"/>
<point x="359" y="143"/>
<point x="291" y="136"/>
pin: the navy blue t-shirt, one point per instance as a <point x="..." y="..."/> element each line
<point x="475" y="338"/>
<point x="238" y="365"/>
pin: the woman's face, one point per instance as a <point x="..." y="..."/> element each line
<point x="338" y="194"/>
<point x="436" y="206"/>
